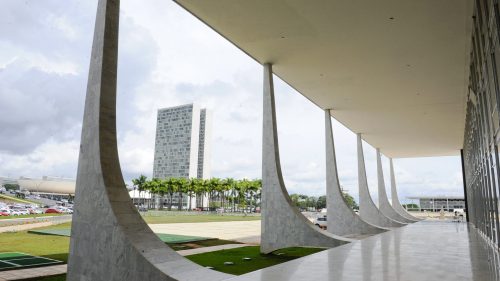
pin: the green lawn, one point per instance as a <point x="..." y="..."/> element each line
<point x="258" y="260"/>
<point x="196" y="218"/>
<point x="30" y="216"/>
<point x="50" y="246"/>
<point x="16" y="200"/>
<point x="56" y="247"/>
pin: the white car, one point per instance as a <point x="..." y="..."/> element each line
<point x="24" y="211"/>
<point x="35" y="211"/>
<point x="320" y="222"/>
<point x="65" y="210"/>
<point x="15" y="212"/>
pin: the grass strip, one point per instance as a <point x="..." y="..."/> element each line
<point x="257" y="260"/>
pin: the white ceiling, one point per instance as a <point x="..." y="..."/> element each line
<point x="394" y="70"/>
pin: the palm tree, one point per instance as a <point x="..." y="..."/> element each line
<point x="242" y="193"/>
<point x="191" y="189"/>
<point x="182" y="186"/>
<point x="156" y="189"/>
<point x="140" y="184"/>
<point x="160" y="189"/>
<point x="201" y="187"/>
<point x="253" y="188"/>
<point x="213" y="186"/>
<point x="149" y="186"/>
<point x="258" y="185"/>
<point x="232" y="187"/>
<point x="171" y="188"/>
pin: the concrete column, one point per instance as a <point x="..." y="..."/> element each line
<point x="109" y="239"/>
<point x="282" y="223"/>
<point x="383" y="202"/>
<point x="395" y="199"/>
<point x="341" y="219"/>
<point x="367" y="209"/>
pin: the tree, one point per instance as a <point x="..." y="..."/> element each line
<point x="350" y="201"/>
<point x="170" y="189"/>
<point x="11" y="186"/>
<point x="321" y="202"/>
<point x="201" y="190"/>
<point x="191" y="190"/>
<point x="411" y="206"/>
<point x="140" y="184"/>
<point x="213" y="186"/>
<point x="158" y="189"/>
<point x="182" y="187"/>
<point x="150" y="186"/>
<point x="232" y="188"/>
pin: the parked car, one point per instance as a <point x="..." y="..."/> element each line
<point x="142" y="208"/>
<point x="35" y="211"/>
<point x="53" y="210"/>
<point x="4" y="212"/>
<point x="14" y="213"/>
<point x="320" y="222"/>
<point x="24" y="211"/>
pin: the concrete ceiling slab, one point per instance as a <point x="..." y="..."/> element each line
<point x="394" y="70"/>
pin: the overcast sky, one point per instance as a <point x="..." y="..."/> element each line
<point x="166" y="58"/>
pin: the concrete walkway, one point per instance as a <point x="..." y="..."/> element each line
<point x="18" y="221"/>
<point x="427" y="250"/>
<point x="14" y="225"/>
<point x="443" y="251"/>
<point x="31" y="273"/>
<point x="247" y="232"/>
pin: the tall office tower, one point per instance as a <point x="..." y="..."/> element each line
<point x="182" y="147"/>
<point x="204" y="144"/>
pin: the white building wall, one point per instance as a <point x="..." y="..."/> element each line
<point x="204" y="151"/>
<point x="195" y="138"/>
<point x="177" y="132"/>
<point x="183" y="144"/>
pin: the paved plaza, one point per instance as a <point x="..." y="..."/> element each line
<point x="33" y="273"/>
<point x="434" y="250"/>
<point x="247" y="232"/>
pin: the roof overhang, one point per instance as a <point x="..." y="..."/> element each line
<point x="395" y="71"/>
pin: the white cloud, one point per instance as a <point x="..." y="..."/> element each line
<point x="166" y="57"/>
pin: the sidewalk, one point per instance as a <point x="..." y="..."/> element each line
<point x="247" y="232"/>
<point x="47" y="221"/>
<point x="30" y="273"/>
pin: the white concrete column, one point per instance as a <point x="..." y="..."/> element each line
<point x="341" y="219"/>
<point x="367" y="208"/>
<point x="282" y="223"/>
<point x="383" y="202"/>
<point x="109" y="238"/>
<point x="394" y="196"/>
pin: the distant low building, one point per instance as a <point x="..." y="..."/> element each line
<point x="48" y="185"/>
<point x="436" y="203"/>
